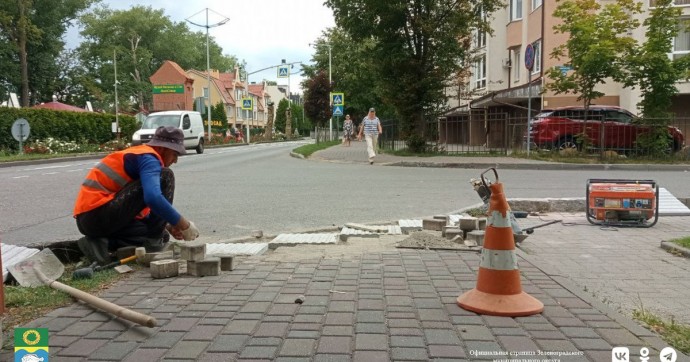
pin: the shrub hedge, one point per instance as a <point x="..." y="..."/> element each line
<point x="80" y="127"/>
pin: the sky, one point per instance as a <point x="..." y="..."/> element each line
<point x="261" y="32"/>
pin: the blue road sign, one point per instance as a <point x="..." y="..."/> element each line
<point x="247" y="103"/>
<point x="338" y="99"/>
<point x="564" y="69"/>
<point x="337" y="111"/>
<point x="283" y="71"/>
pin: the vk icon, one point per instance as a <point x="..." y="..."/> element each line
<point x="620" y="354"/>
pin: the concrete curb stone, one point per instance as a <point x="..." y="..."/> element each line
<point x="673" y="247"/>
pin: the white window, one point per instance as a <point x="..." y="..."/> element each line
<point x="537" y="57"/>
<point x="681" y="44"/>
<point x="516" y="62"/>
<point x="238" y="94"/>
<point x="206" y="92"/>
<point x="480" y="39"/>
<point x="536" y="4"/>
<point x="480" y="72"/>
<point x="515" y="10"/>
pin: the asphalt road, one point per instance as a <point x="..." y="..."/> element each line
<point x="228" y="192"/>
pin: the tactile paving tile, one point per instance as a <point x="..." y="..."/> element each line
<point x="236" y="248"/>
<point x="295" y="239"/>
<point x="407" y="225"/>
<point x="347" y="232"/>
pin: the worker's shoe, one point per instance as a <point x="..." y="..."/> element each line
<point x="154" y="245"/>
<point x="95" y="249"/>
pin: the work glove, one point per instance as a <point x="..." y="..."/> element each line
<point x="190" y="233"/>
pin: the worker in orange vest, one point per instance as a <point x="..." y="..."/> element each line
<point x="126" y="199"/>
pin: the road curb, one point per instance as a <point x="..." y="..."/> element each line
<point x="675" y="248"/>
<point x="297" y="155"/>
<point x="546" y="167"/>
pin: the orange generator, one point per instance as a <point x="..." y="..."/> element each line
<point x="622" y="202"/>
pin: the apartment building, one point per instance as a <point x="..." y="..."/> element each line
<point x="500" y="80"/>
<point x="490" y="107"/>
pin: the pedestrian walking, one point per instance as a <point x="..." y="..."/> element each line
<point x="371" y="128"/>
<point x="126" y="199"/>
<point x="348" y="129"/>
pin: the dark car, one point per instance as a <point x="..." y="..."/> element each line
<point x="566" y="127"/>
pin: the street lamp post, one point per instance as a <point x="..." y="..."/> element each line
<point x="330" y="84"/>
<point x="208" y="61"/>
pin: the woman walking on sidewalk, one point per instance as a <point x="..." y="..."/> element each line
<point x="371" y="129"/>
<point x="348" y="127"/>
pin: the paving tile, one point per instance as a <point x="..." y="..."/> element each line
<point x="243" y="327"/>
<point x="476" y="333"/>
<point x="335" y="345"/>
<point x="271" y="330"/>
<point x="228" y="343"/>
<point x="441" y="336"/>
<point x="517" y="343"/>
<point x="446" y="351"/>
<point x="373" y="342"/>
<point x="591" y="344"/>
<point x="163" y="339"/>
<point x="180" y="324"/>
<point x="556" y="345"/>
<point x="579" y="332"/>
<point x="332" y="358"/>
<point x="304" y="334"/>
<point x="264" y="341"/>
<point x="187" y="350"/>
<point x="113" y="351"/>
<point x="371" y="356"/>
<point x="618" y="337"/>
<point x="146" y="354"/>
<point x="409" y="354"/>
<point x="298" y="347"/>
<point x="374" y="328"/>
<point x="338" y="330"/>
<point x="82" y="347"/>
<point x="203" y="333"/>
<point x="346" y="319"/>
<point x="256" y="352"/>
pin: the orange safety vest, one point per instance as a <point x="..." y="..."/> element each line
<point x="107" y="178"/>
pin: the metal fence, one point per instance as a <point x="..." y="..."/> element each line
<point x="500" y="133"/>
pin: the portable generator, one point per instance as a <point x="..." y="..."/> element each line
<point x="622" y="202"/>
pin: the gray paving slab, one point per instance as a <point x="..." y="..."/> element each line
<point x="409" y="313"/>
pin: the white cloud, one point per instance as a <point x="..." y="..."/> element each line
<point x="261" y="32"/>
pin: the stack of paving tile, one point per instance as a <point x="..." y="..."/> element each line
<point x="198" y="263"/>
<point x="297" y="239"/>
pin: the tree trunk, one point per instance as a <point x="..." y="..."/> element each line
<point x="269" y="124"/>
<point x="288" y="123"/>
<point x="23" y="59"/>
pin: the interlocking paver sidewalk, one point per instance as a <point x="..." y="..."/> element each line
<point x="363" y="301"/>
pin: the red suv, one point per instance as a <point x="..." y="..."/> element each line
<point x="565" y="127"/>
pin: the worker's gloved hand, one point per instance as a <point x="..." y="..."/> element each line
<point x="190" y="233"/>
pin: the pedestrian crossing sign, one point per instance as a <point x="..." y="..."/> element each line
<point x="337" y="111"/>
<point x="247" y="104"/>
<point x="283" y="71"/>
<point x="338" y="99"/>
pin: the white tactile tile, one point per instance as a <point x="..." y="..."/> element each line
<point x="296" y="239"/>
<point x="669" y="205"/>
<point x="407" y="225"/>
<point x="12" y="254"/>
<point x="236" y="248"/>
<point x="347" y="232"/>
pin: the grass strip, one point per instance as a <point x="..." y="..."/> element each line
<point x="24" y="304"/>
<point x="307" y="150"/>
<point x="676" y="335"/>
<point x="684" y="242"/>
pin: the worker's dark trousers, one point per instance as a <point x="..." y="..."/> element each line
<point x="116" y="220"/>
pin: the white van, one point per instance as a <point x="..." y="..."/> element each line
<point x="189" y="122"/>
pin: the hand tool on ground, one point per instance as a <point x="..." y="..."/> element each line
<point x="87" y="273"/>
<point x="530" y="230"/>
<point x="43" y="268"/>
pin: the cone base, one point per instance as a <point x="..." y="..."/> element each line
<point x="516" y="305"/>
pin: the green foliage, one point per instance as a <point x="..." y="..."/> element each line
<point x="143" y="38"/>
<point x="307" y="150"/>
<point x="595" y="47"/>
<point x="411" y="49"/>
<point x="650" y="67"/>
<point x="416" y="144"/>
<point x="684" y="242"/>
<point x="79" y="127"/>
<point x="676" y="335"/>
<point x="42" y="28"/>
<point x="219" y="118"/>
<point x="279" y="122"/>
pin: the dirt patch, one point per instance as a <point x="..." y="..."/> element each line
<point x="428" y="240"/>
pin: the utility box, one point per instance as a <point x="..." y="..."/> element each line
<point x="622" y="202"/>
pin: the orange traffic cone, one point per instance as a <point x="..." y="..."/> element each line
<point x="499" y="291"/>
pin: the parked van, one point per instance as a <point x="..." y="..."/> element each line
<point x="189" y="122"/>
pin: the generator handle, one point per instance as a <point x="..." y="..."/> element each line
<point x="484" y="180"/>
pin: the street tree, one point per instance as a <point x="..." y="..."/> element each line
<point x="656" y="74"/>
<point x="416" y="48"/>
<point x="597" y="42"/>
<point x="141" y="39"/>
<point x="353" y="71"/>
<point x="31" y="33"/>
<point x="283" y="106"/>
<point x="317" y="98"/>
